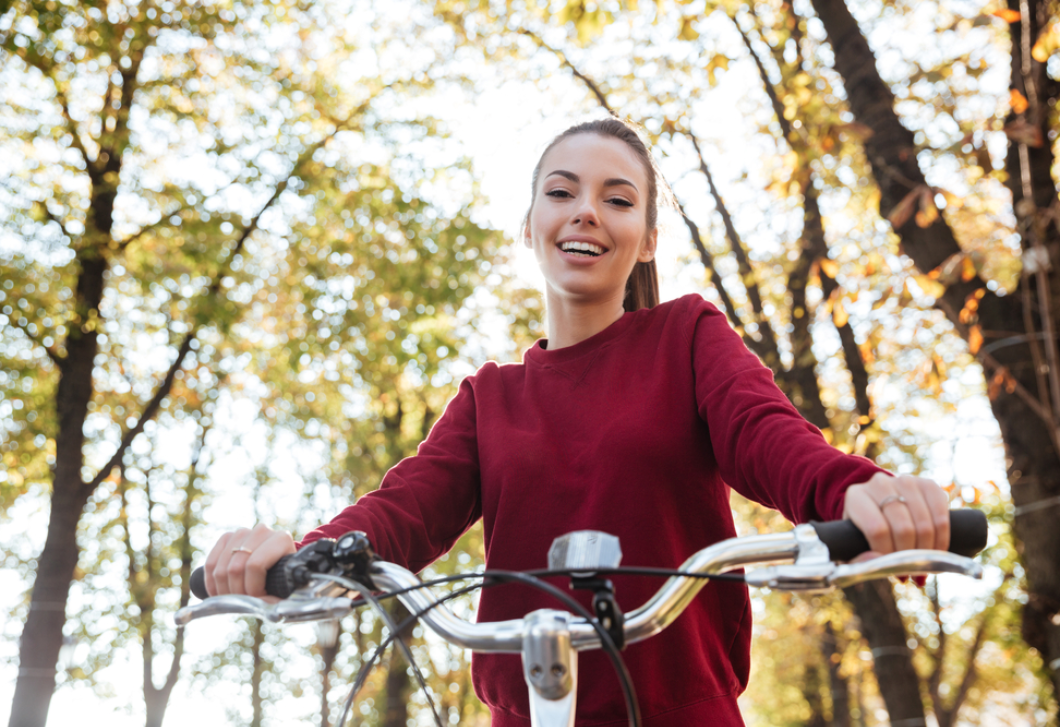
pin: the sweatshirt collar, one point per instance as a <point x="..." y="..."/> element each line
<point x="539" y="354"/>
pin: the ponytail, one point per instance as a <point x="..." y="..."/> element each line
<point x="642" y="287"/>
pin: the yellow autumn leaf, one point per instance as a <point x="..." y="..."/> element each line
<point x="930" y="286"/>
<point x="975" y="339"/>
<point x="839" y="314"/>
<point x="926" y="215"/>
<point x="1009" y="16"/>
<point x="1017" y="101"/>
<point x="687" y="32"/>
<point x="1047" y="44"/>
<point x="952" y="200"/>
<point x="829" y="267"/>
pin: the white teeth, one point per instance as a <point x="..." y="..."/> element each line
<point x="582" y="246"/>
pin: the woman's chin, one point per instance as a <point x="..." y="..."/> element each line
<point x="583" y="294"/>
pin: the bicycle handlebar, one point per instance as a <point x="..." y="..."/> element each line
<point x="812" y="569"/>
<point x="968" y="535"/>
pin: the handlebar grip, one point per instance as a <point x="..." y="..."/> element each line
<point x="968" y="535"/>
<point x="277" y="580"/>
<point x="198" y="583"/>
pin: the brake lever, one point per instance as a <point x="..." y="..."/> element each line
<point x="905" y="563"/>
<point x="826" y="576"/>
<point x="813" y="569"/>
<point x="314" y="602"/>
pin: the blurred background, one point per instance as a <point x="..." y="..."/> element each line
<point x="248" y="251"/>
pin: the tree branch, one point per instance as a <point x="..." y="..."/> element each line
<point x="771" y="91"/>
<point x="52" y="353"/>
<point x="53" y="218"/>
<point x="75" y="135"/>
<point x="859" y="374"/>
<point x="149" y="412"/>
<point x="939" y="654"/>
<point x="969" y="672"/>
<point x="577" y="74"/>
<point x="166" y="385"/>
<point x="995" y="367"/>
<point x="747" y="275"/>
<point x="707" y="259"/>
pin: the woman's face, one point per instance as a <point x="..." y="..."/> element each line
<point x="588" y="223"/>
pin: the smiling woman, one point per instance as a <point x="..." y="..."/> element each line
<point x="633" y="418"/>
<point x="596" y="180"/>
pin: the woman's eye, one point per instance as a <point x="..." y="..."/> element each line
<point x="619" y="201"/>
<point x="558" y="193"/>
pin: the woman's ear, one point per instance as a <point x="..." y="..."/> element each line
<point x="647" y="250"/>
<point x="527" y="240"/>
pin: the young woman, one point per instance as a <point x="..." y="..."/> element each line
<point x="631" y="418"/>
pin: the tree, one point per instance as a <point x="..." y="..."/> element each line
<point x="116" y="249"/>
<point x="1026" y="375"/>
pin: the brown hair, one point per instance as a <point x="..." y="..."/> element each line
<point x="642" y="286"/>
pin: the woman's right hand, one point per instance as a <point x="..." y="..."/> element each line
<point x="240" y="559"/>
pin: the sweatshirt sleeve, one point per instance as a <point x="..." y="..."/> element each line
<point x="425" y="502"/>
<point x="765" y="450"/>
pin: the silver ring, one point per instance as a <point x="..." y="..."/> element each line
<point x="889" y="499"/>
<point x="241" y="549"/>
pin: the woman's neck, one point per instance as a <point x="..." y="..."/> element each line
<point x="571" y="322"/>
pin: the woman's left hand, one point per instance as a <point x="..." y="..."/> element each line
<point x="899" y="513"/>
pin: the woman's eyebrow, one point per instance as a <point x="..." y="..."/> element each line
<point x="612" y="182"/>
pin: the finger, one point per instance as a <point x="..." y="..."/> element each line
<point x="910" y="516"/>
<point x="274" y="546"/>
<point x="939" y="504"/>
<point x="240" y="554"/>
<point x="222" y="570"/>
<point x="861" y="509"/>
<point x="214" y="585"/>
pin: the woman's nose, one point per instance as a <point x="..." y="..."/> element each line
<point x="586" y="214"/>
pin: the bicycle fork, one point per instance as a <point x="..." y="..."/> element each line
<point x="550" y="666"/>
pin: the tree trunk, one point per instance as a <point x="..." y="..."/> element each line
<point x="1035" y="490"/>
<point x="839" y="687"/>
<point x="398" y="683"/>
<point x="257" y="713"/>
<point x="880" y="625"/>
<point x="328" y="654"/>
<point x="1027" y="431"/>
<point x="42" y="636"/>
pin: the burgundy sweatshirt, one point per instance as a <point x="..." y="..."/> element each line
<point x="635" y="432"/>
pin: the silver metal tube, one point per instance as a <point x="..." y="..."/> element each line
<point x="651" y="618"/>
<point x="503" y="636"/>
<point x="670" y="601"/>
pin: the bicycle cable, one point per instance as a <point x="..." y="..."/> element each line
<point x="606" y="642"/>
<point x="366" y="593"/>
<point x="366" y="667"/>
<point x="654" y="572"/>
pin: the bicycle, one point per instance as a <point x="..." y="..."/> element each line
<point x="316" y="581"/>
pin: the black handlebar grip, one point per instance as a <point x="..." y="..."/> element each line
<point x="968" y="535"/>
<point x="277" y="581"/>
<point x="198" y="583"/>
